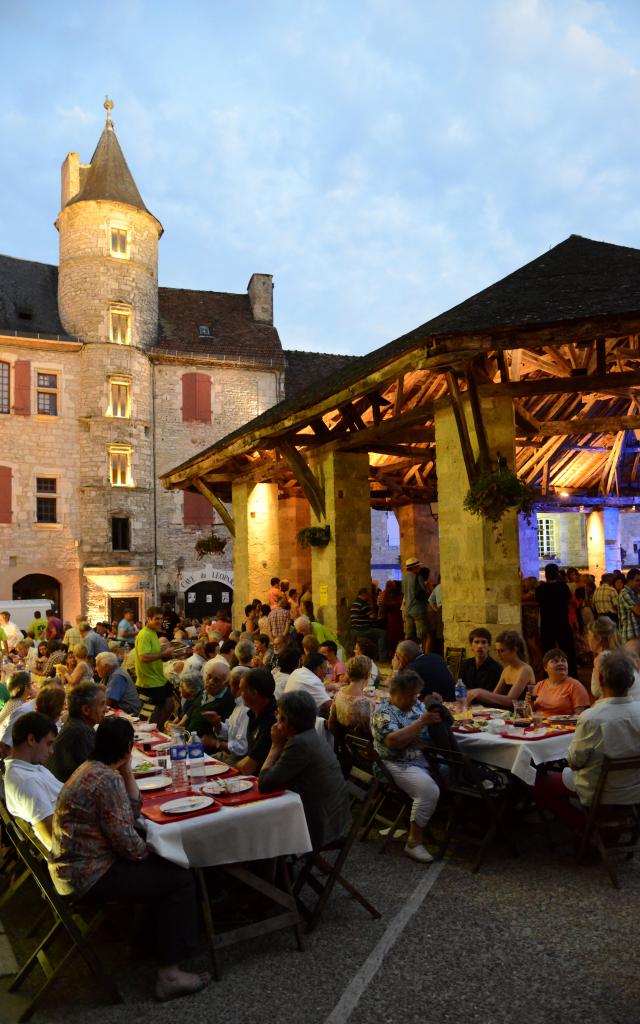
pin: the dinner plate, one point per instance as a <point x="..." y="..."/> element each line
<point x="155" y="782"/>
<point x="572" y="719"/>
<point x="144" y="727"/>
<point x="209" y="769"/>
<point x="145" y="768"/>
<point x="530" y="734"/>
<point x="228" y="787"/>
<point x="186" y="804"/>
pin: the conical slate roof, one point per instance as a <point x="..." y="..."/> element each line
<point x="109" y="176"/>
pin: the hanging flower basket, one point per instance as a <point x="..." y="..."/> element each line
<point x="211" y="545"/>
<point x="314" y="536"/>
<point x="495" y="491"/>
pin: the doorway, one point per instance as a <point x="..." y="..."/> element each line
<point x="207" y="598"/>
<point x="35" y="586"/>
<point x="119" y="605"/>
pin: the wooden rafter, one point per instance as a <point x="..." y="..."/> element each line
<point x="201" y="486"/>
<point x="311" y="486"/>
<point x="461" y="424"/>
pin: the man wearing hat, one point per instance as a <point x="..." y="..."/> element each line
<point x="414" y="604"/>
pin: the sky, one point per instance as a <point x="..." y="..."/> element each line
<point x="383" y="159"/>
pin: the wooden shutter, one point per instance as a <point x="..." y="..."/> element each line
<point x="197" y="511"/>
<point x="22" y="387"/>
<point x="5" y="494"/>
<point x="196" y="398"/>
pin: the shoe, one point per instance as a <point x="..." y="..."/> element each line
<point x="419" y="853"/>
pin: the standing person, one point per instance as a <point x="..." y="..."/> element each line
<point x="55" y="629"/>
<point x="72" y="635"/>
<point x="390" y="604"/>
<point x="629" y="611"/>
<point x="274" y="592"/>
<point x="480" y="671"/>
<point x="169" y="620"/>
<point x="554" y="599"/>
<point x="279" y="619"/>
<point x="415" y="598"/>
<point x="362" y="618"/>
<point x="38" y="627"/>
<point x="150" y="678"/>
<point x="126" y="627"/>
<point x="605" y="598"/>
<point x="94" y="642"/>
<point x="12" y="633"/>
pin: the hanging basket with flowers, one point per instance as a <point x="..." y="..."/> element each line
<point x="314" y="536"/>
<point x="495" y="491"/>
<point x="211" y="545"/>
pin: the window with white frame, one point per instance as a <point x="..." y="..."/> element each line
<point x="121" y="324"/>
<point x="46" y="499"/>
<point x="119" y="243"/>
<point x="46" y="393"/>
<point x="119" y="397"/>
<point x="547" y="537"/>
<point x="120" y="465"/>
<point x="4" y="388"/>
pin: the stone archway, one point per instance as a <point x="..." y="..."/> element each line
<point x="38" y="585"/>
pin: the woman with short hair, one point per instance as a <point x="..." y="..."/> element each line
<point x="351" y="708"/>
<point x="516" y="676"/>
<point x="559" y="694"/>
<point x="82" y="672"/>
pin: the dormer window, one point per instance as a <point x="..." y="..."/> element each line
<point x="119" y="243"/>
<point x="121" y="324"/>
<point x="203" y="331"/>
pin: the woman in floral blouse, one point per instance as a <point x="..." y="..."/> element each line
<point x="98" y="855"/>
<point x="400" y="732"/>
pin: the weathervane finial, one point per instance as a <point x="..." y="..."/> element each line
<point x="108" y="106"/>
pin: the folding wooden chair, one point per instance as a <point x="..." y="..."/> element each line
<point x="607" y="825"/>
<point x="68" y="920"/>
<point x="454" y="657"/>
<point x="320" y="874"/>
<point x="147" y="711"/>
<point x="392" y="804"/>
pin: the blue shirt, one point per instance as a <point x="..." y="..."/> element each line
<point x="94" y="643"/>
<point x="387" y="718"/>
<point x="122" y="691"/>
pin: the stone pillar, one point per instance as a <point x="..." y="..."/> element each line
<point x="478" y="562"/>
<point x="419" y="537"/>
<point x="256" y="546"/>
<point x="528" y="541"/>
<point x="295" y="562"/>
<point x="341" y="568"/>
<point x="603" y="541"/>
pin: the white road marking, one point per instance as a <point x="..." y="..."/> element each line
<point x="358" y="984"/>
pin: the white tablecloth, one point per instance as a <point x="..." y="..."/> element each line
<point x="514" y="755"/>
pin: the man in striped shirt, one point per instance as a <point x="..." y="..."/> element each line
<point x="629" y="610"/>
<point x="605" y="598"/>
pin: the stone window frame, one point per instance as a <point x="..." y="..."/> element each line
<point x="122" y="380"/>
<point x="548" y="540"/>
<point x="121" y="310"/>
<point x="121" y="229"/>
<point x="5" y="388"/>
<point x="46" y="494"/>
<point x="46" y="390"/>
<point x="120" y="459"/>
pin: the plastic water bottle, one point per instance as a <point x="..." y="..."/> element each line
<point x="178" y="754"/>
<point x="196" y="759"/>
<point x="461" y="696"/>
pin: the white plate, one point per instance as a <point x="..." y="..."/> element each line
<point x="145" y="727"/>
<point x="153" y="769"/>
<point x="209" y="769"/>
<point x="186" y="804"/>
<point x="227" y="787"/>
<point x="520" y="734"/>
<point x="155" y="782"/>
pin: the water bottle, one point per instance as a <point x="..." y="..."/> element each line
<point x="196" y="759"/>
<point x="178" y="754"/>
<point x="461" y="697"/>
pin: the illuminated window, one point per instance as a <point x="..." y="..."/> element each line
<point x="120" y="466"/>
<point x="547" y="537"/>
<point x="47" y="394"/>
<point x="119" y="243"/>
<point x="119" y="397"/>
<point x="4" y="387"/>
<point x="46" y="499"/>
<point x="121" y="325"/>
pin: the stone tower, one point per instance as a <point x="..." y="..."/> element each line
<point x="108" y="274"/>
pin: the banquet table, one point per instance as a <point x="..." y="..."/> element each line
<point x="514" y="755"/>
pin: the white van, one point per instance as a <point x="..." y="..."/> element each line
<point x="22" y="611"/>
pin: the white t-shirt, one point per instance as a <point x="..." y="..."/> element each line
<point x="13" y="634"/>
<point x="30" y="790"/>
<point x="304" y="679"/>
<point x="6" y="730"/>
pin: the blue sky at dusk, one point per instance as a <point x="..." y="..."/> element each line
<point x="383" y="159"/>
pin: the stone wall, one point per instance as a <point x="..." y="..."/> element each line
<point x="629" y="525"/>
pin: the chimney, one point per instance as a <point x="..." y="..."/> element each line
<point x="260" y="289"/>
<point x="72" y="177"/>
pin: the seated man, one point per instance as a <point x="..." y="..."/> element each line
<point x="121" y="690"/>
<point x="610" y="728"/>
<point x="30" y="789"/>
<point x="217" y="697"/>
<point x="310" y="677"/>
<point x="86" y="704"/>
<point x="231" y="736"/>
<point x="432" y="669"/>
<point x="338" y="668"/>
<point x="257" y="688"/>
<point x="301" y="760"/>
<point x="481" y="671"/>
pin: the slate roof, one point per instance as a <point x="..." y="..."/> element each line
<point x="108" y="176"/>
<point x="302" y="367"/>
<point x="29" y="297"/>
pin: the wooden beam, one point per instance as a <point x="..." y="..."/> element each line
<point x="484" y="459"/>
<point x="601" y="357"/>
<point x="583" y="425"/>
<point x="217" y="504"/>
<point x="313" y="491"/>
<point x="397" y="405"/>
<point x="461" y="424"/>
<point x="564" y="385"/>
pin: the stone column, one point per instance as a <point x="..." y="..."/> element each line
<point x="478" y="562"/>
<point x="528" y="540"/>
<point x="341" y="568"/>
<point x="256" y="545"/>
<point x="603" y="541"/>
<point x="295" y="562"/>
<point x="419" y="537"/>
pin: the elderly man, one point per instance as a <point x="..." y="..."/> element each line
<point x="431" y="668"/>
<point x="87" y="704"/>
<point x="121" y="690"/>
<point x="310" y="678"/>
<point x="231" y="736"/>
<point x="195" y="662"/>
<point x="30" y="789"/>
<point x="300" y="760"/>
<point x="217" y="697"/>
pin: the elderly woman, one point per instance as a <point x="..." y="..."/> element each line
<point x="191" y="685"/>
<point x="559" y="694"/>
<point x="516" y="674"/>
<point x="98" y="855"/>
<point x="121" y="691"/>
<point x="82" y="671"/>
<point x="351" y="708"/>
<point x="217" y="697"/>
<point x="400" y="733"/>
<point x="301" y="761"/>
<point x="602" y="637"/>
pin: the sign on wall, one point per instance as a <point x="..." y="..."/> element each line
<point x="206" y="573"/>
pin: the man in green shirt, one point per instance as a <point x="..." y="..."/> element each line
<point x="150" y="678"/>
<point x="38" y="627"/>
<point x="4" y="646"/>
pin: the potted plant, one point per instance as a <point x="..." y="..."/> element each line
<point x="496" y="490"/>
<point x="314" y="536"/>
<point x="211" y="545"/>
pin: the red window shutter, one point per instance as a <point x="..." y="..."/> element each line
<point x="188" y="397"/>
<point x="22" y="387"/>
<point x="197" y="511"/>
<point x="5" y="494"/>
<point x="203" y="397"/>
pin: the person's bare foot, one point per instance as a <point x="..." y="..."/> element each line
<point x="173" y="982"/>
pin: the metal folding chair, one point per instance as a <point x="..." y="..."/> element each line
<point x="607" y="825"/>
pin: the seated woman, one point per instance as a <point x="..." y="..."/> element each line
<point x="611" y="728"/>
<point x="81" y="672"/>
<point x="559" y="694"/>
<point x="400" y="732"/>
<point x="191" y="687"/>
<point x="98" y="855"/>
<point x="42" y="657"/>
<point x="351" y="708"/>
<point x="50" y="701"/>
<point x="366" y="647"/>
<point x="516" y="674"/>
<point x="602" y="637"/>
